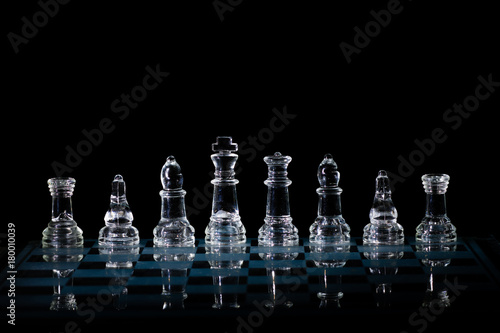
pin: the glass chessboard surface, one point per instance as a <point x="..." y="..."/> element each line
<point x="252" y="283"/>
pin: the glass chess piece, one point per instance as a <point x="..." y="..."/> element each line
<point x="278" y="229"/>
<point x="225" y="226"/>
<point x="435" y="227"/>
<point x="62" y="236"/>
<point x="62" y="231"/>
<point x="174" y="228"/>
<point x="330" y="226"/>
<point x="383" y="228"/>
<point x="118" y="236"/>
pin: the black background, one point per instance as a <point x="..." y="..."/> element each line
<point x="226" y="77"/>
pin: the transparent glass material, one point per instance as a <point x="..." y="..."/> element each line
<point x="278" y="229"/>
<point x="174" y="262"/>
<point x="436" y="227"/>
<point x="383" y="228"/>
<point x="118" y="236"/>
<point x="62" y="231"/>
<point x="225" y="263"/>
<point x="327" y="258"/>
<point x="62" y="300"/>
<point x="437" y="291"/>
<point x="225" y="226"/>
<point x="330" y="226"/>
<point x="174" y="228"/>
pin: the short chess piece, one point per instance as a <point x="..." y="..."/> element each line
<point x="118" y="236"/>
<point x="62" y="231"/>
<point x="225" y="226"/>
<point x="278" y="229"/>
<point x="436" y="226"/>
<point x="383" y="228"/>
<point x="330" y="226"/>
<point x="174" y="228"/>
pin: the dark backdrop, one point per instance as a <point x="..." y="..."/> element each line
<point x="372" y="99"/>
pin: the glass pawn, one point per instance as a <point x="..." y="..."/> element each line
<point x="119" y="230"/>
<point x="174" y="228"/>
<point x="62" y="231"/>
<point x="436" y="226"/>
<point x="225" y="226"/>
<point x="329" y="227"/>
<point x="383" y="228"/>
<point x="278" y="229"/>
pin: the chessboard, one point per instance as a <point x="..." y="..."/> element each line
<point x="250" y="288"/>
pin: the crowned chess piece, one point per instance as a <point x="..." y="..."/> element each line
<point x="225" y="226"/>
<point x="383" y="228"/>
<point x="278" y="229"/>
<point x="174" y="228"/>
<point x="118" y="236"/>
<point x="329" y="227"/>
<point x="435" y="227"/>
<point x="62" y="231"/>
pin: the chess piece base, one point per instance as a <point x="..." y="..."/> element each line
<point x="436" y="230"/>
<point x="278" y="231"/>
<point x="224" y="229"/>
<point x="174" y="233"/>
<point x="383" y="233"/>
<point x="329" y="230"/>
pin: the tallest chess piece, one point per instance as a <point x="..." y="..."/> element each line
<point x="225" y="227"/>
<point x="278" y="229"/>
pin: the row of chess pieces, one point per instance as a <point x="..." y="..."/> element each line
<point x="225" y="226"/>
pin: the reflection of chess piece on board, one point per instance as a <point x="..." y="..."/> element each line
<point x="63" y="299"/>
<point x="330" y="226"/>
<point x="383" y="290"/>
<point x="225" y="264"/>
<point x="118" y="236"/>
<point x="278" y="229"/>
<point x="383" y="228"/>
<point x="174" y="228"/>
<point x="279" y="275"/>
<point x="436" y="258"/>
<point x="174" y="263"/>
<point x="62" y="231"/>
<point x="225" y="226"/>
<point x="327" y="258"/>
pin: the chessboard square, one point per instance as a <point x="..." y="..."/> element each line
<point x="390" y="262"/>
<point x="103" y="273"/>
<point x="92" y="265"/>
<point x="170" y="265"/>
